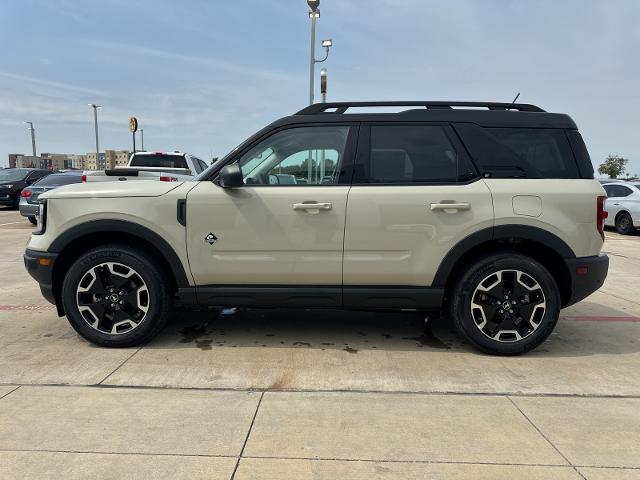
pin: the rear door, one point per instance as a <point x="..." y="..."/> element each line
<point x="283" y="229"/>
<point x="414" y="196"/>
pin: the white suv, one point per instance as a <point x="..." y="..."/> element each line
<point x="485" y="211"/>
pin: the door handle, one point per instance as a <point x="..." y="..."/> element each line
<point x="312" y="206"/>
<point x="450" y="206"/>
<point x="617" y="203"/>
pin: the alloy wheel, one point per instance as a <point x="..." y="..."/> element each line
<point x="508" y="305"/>
<point x="113" y="298"/>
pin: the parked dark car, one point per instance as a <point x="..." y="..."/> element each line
<point x="29" y="195"/>
<point x="13" y="180"/>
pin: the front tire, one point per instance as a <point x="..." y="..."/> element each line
<point x="624" y="224"/>
<point x="116" y="296"/>
<point x="505" y="304"/>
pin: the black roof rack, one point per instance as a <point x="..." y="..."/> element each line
<point x="341" y="107"/>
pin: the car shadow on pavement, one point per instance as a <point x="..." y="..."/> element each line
<point x="354" y="331"/>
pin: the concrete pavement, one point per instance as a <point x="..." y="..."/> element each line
<point x="297" y="394"/>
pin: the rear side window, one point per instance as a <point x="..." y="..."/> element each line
<point x="413" y="154"/>
<point x="159" y="160"/>
<point x="617" y="191"/>
<point x="520" y="152"/>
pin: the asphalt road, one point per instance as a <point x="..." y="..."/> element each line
<point x="318" y="394"/>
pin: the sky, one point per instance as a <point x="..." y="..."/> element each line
<point x="202" y="75"/>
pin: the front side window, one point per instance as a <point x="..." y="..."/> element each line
<point x="412" y="154"/>
<point x="297" y="156"/>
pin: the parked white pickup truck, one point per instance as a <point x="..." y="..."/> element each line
<point x="163" y="166"/>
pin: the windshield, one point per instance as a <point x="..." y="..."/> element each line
<point x="58" y="180"/>
<point x="13" y="174"/>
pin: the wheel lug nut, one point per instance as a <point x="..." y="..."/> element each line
<point x="500" y="311"/>
<point x="121" y="302"/>
<point x="510" y="311"/>
<point x="513" y="302"/>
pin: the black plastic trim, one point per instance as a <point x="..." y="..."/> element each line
<point x="584" y="285"/>
<point x="182" y="212"/>
<point x="316" y="296"/>
<point x="391" y="297"/>
<point x="98" y="226"/>
<point x="500" y="232"/>
<point x="43" y="274"/>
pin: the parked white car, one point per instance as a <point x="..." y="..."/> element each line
<point x="164" y="166"/>
<point x="623" y="206"/>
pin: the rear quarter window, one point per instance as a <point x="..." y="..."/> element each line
<point x="159" y="160"/>
<point x="520" y="152"/>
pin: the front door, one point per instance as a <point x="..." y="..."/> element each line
<point x="281" y="234"/>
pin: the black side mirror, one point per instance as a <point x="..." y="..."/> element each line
<point x="231" y="176"/>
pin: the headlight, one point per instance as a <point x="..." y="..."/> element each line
<point x="41" y="219"/>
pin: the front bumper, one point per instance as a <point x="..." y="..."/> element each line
<point x="40" y="267"/>
<point x="587" y="275"/>
<point x="6" y="198"/>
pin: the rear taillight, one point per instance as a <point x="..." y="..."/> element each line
<point x="601" y="215"/>
<point x="26" y="193"/>
<point x="164" y="178"/>
<point x="84" y="179"/>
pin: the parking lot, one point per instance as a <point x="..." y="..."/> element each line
<point x="318" y="394"/>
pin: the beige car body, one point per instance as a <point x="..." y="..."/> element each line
<point x="369" y="235"/>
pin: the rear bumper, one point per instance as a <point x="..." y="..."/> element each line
<point x="587" y="275"/>
<point x="40" y="267"/>
<point x="28" y="209"/>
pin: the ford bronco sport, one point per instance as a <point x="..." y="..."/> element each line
<point x="487" y="212"/>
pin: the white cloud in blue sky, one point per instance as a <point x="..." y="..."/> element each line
<point x="202" y="75"/>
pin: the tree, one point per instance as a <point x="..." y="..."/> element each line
<point x="614" y="166"/>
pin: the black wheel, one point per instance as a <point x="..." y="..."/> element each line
<point x="32" y="220"/>
<point x="624" y="224"/>
<point x="505" y="304"/>
<point x="116" y="296"/>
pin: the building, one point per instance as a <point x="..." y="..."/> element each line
<point x="13" y="157"/>
<point x="27" y="161"/>
<point x="112" y="159"/>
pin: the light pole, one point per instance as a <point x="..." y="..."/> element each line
<point x="323" y="84"/>
<point x="95" y="122"/>
<point x="142" y="138"/>
<point x="33" y="138"/>
<point x="314" y="15"/>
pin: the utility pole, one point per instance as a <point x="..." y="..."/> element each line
<point x="33" y="138"/>
<point x="314" y="15"/>
<point x="142" y="138"/>
<point x="323" y="84"/>
<point x="95" y="107"/>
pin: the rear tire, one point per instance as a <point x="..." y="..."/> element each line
<point x="33" y="220"/>
<point x="505" y="304"/>
<point x="116" y="296"/>
<point x="624" y="224"/>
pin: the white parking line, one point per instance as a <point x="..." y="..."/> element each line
<point x="10" y="223"/>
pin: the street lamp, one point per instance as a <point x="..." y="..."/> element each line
<point x="33" y="138"/>
<point x="95" y="121"/>
<point x="314" y="15"/>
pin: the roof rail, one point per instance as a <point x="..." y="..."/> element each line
<point x="341" y="107"/>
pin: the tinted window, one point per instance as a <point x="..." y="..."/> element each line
<point x="412" y="154"/>
<point x="13" y="174"/>
<point x="617" y="191"/>
<point x="298" y="156"/>
<point x="58" y="180"/>
<point x="581" y="154"/>
<point x="159" y="160"/>
<point x="520" y="152"/>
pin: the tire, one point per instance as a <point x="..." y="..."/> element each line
<point x="32" y="220"/>
<point x="489" y="326"/>
<point x="624" y="224"/>
<point x="120" y="276"/>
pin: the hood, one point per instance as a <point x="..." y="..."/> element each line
<point x="140" y="188"/>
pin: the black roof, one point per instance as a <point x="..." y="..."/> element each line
<point x="489" y="114"/>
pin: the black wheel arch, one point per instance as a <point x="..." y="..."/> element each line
<point x="81" y="238"/>
<point x="545" y="247"/>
